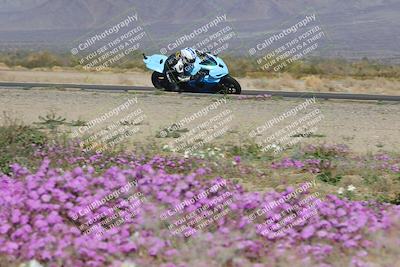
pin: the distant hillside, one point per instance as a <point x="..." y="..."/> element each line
<point x="356" y="28"/>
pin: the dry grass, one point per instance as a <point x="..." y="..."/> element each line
<point x="315" y="83"/>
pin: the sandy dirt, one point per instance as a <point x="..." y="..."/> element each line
<point x="283" y="82"/>
<point x="364" y="126"/>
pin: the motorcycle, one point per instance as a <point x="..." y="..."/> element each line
<point x="212" y="72"/>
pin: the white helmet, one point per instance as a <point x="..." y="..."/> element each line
<point x="188" y="55"/>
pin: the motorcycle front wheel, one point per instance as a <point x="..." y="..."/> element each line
<point x="228" y="85"/>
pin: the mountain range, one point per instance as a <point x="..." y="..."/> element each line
<point x="354" y="28"/>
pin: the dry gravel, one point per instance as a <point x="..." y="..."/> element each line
<point x="364" y="126"/>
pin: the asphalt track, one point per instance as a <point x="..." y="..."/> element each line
<point x="244" y="92"/>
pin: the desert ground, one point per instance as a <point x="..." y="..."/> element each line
<point x="364" y="126"/>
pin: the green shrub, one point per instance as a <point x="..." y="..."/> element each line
<point x="16" y="142"/>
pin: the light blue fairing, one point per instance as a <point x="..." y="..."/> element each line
<point x="216" y="71"/>
<point x="155" y="62"/>
<point x="219" y="71"/>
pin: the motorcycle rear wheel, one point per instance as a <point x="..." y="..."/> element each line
<point x="159" y="80"/>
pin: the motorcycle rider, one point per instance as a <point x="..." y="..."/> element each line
<point x="181" y="63"/>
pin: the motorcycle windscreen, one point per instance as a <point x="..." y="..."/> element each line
<point x="155" y="62"/>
